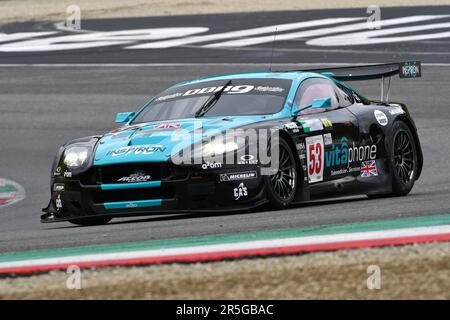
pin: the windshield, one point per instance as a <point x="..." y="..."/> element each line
<point x="241" y="97"/>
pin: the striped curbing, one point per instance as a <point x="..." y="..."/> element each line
<point x="279" y="242"/>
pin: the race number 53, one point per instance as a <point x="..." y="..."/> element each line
<point x="315" y="154"/>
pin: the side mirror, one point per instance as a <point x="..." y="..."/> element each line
<point x="316" y="104"/>
<point x="124" y="116"/>
<point x="321" y="103"/>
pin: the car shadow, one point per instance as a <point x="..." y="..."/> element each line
<point x="203" y="214"/>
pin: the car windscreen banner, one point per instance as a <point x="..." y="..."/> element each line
<point x="277" y="87"/>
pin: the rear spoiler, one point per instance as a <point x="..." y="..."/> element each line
<point x="407" y="69"/>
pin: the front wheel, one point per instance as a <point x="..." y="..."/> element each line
<point x="282" y="186"/>
<point x="94" y="221"/>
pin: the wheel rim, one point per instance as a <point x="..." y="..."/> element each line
<point x="403" y="156"/>
<point x="283" y="182"/>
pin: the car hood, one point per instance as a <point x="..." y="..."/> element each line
<point x="158" y="141"/>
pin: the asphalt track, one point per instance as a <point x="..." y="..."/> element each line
<point x="433" y="49"/>
<point x="41" y="107"/>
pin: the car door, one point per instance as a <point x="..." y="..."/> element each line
<point x="330" y="132"/>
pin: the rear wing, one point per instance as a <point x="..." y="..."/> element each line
<point x="407" y="69"/>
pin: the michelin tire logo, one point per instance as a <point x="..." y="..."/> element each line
<point x="238" y="176"/>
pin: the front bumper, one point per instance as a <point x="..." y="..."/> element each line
<point x="172" y="189"/>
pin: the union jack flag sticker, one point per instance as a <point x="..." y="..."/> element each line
<point x="369" y="169"/>
<point x="168" y="126"/>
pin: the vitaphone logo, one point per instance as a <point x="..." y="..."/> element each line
<point x="343" y="154"/>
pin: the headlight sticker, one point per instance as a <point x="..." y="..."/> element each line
<point x="75" y="157"/>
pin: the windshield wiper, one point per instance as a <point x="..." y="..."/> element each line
<point x="211" y="101"/>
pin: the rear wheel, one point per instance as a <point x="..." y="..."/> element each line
<point x="403" y="161"/>
<point x="94" y="221"/>
<point x="282" y="186"/>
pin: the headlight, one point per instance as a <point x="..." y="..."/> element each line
<point x="76" y="157"/>
<point x="218" y="148"/>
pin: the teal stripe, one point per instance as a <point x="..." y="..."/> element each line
<point x="424" y="221"/>
<point x="120" y="186"/>
<point x="132" y="204"/>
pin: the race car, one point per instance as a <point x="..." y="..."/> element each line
<point x="239" y="141"/>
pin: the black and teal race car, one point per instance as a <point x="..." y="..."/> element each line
<point x="238" y="141"/>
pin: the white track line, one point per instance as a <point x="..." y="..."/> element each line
<point x="322" y="31"/>
<point x="241" y="33"/>
<point x="247" y="245"/>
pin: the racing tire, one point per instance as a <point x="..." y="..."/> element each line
<point x="403" y="163"/>
<point x="404" y="160"/>
<point x="95" y="221"/>
<point x="282" y="186"/>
